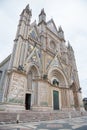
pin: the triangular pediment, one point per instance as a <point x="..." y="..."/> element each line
<point x="55" y="62"/>
<point x="51" y="25"/>
<point x="34" y="32"/>
<point x="34" y="57"/>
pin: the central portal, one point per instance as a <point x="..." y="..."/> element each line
<point x="55" y="100"/>
<point x="28" y="101"/>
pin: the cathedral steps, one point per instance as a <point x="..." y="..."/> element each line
<point x="30" y="116"/>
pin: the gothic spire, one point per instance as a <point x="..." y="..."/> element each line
<point x="27" y="10"/>
<point x="24" y="21"/>
<point x="27" y="7"/>
<point x="42" y="12"/>
<point x="61" y="33"/>
<point x="69" y="46"/>
<point x="42" y="16"/>
<point x="60" y="29"/>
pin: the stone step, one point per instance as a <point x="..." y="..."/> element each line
<point x="28" y="116"/>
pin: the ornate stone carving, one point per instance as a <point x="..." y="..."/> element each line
<point x="16" y="91"/>
<point x="30" y="48"/>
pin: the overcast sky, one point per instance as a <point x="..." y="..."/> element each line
<point x="70" y="14"/>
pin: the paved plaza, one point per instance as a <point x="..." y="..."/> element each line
<point x="79" y="123"/>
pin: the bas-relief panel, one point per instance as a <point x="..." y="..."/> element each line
<point x="17" y="86"/>
<point x="44" y="95"/>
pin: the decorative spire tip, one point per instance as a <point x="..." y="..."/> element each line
<point x="27" y="7"/>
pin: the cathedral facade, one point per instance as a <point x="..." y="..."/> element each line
<point x="41" y="72"/>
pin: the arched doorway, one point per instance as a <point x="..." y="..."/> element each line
<point x="31" y="99"/>
<point x="59" y="83"/>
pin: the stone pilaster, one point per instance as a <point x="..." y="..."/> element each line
<point x="22" y="54"/>
<point x="12" y="57"/>
<point x="17" y="53"/>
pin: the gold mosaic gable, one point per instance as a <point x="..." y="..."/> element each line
<point x="34" y="57"/>
<point x="34" y="33"/>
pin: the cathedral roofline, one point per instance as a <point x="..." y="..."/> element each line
<point x="56" y="35"/>
<point x="42" y="12"/>
<point x="5" y="60"/>
<point x="69" y="46"/>
<point x="51" y="20"/>
<point x="27" y="9"/>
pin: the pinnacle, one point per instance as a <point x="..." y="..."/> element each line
<point x="27" y="7"/>
<point x="68" y="43"/>
<point x="60" y="29"/>
<point x="28" y="10"/>
<point x="42" y="12"/>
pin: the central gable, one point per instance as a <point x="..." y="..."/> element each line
<point x="51" y="25"/>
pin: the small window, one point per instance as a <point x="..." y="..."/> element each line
<point x="55" y="82"/>
<point x="0" y="74"/>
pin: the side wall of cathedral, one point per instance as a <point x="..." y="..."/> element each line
<point x="3" y="73"/>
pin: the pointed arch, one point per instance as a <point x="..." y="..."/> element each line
<point x="29" y="67"/>
<point x="32" y="83"/>
<point x="56" y="73"/>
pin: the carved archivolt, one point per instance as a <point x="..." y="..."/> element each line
<point x="56" y="73"/>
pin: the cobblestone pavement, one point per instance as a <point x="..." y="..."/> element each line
<point x="64" y="124"/>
